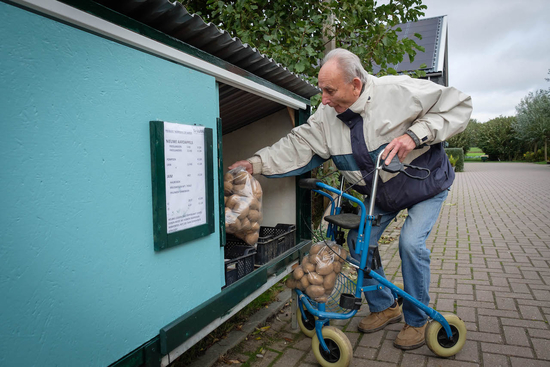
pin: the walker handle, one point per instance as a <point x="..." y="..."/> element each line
<point x="309" y="183"/>
<point x="396" y="166"/>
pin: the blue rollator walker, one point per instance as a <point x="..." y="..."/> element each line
<point x="445" y="333"/>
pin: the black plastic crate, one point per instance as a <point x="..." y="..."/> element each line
<point x="239" y="261"/>
<point x="272" y="242"/>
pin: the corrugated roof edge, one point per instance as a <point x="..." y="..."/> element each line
<point x="173" y="19"/>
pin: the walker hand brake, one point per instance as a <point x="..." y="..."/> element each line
<point x="396" y="166"/>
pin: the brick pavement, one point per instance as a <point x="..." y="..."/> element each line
<point x="490" y="264"/>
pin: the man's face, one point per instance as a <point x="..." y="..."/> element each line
<point x="337" y="93"/>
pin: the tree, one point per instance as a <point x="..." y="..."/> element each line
<point x="467" y="138"/>
<point x="295" y="32"/>
<point x="498" y="139"/>
<point x="533" y="119"/>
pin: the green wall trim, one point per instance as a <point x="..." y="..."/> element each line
<point x="124" y="21"/>
<point x="146" y="355"/>
<point x="220" y="183"/>
<point x="303" y="196"/>
<point x="183" y="328"/>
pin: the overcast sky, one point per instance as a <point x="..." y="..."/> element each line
<point x="499" y="50"/>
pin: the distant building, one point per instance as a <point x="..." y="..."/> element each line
<point x="434" y="40"/>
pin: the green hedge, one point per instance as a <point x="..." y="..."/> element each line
<point x="456" y="153"/>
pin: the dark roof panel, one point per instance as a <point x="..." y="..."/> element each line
<point x="432" y="40"/>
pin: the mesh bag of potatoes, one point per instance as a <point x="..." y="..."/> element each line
<point x="317" y="273"/>
<point x="243" y="205"/>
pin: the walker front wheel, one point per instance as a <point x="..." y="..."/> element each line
<point x="437" y="340"/>
<point x="340" y="351"/>
<point x="308" y="325"/>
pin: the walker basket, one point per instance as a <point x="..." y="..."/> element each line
<point x="343" y="285"/>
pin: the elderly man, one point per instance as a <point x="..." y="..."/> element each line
<point x="360" y="116"/>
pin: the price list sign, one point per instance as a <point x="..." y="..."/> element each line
<point x="185" y="176"/>
<point x="181" y="158"/>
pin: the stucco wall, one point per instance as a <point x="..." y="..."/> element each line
<point x="279" y="199"/>
<point x="80" y="283"/>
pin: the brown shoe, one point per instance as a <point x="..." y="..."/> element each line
<point x="410" y="337"/>
<point x="378" y="320"/>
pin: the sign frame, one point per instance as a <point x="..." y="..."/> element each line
<point x="161" y="238"/>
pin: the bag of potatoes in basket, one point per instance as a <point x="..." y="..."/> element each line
<point x="243" y="205"/>
<point x="316" y="275"/>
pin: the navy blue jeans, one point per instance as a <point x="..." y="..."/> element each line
<point x="415" y="257"/>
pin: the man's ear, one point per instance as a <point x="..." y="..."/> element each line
<point x="357" y="85"/>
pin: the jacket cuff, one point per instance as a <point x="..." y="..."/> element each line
<point x="413" y="137"/>
<point x="423" y="134"/>
<point x="256" y="163"/>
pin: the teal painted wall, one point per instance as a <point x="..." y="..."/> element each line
<point x="80" y="283"/>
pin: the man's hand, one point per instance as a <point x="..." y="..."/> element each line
<point x="245" y="164"/>
<point x="401" y="146"/>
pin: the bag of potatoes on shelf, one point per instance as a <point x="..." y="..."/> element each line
<point x="316" y="275"/>
<point x="243" y="205"/>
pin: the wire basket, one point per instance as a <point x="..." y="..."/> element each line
<point x="343" y="285"/>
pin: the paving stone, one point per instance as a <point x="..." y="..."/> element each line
<point x="522" y="362"/>
<point x="372" y="340"/>
<point x="364" y="352"/>
<point x="268" y="357"/>
<point x="488" y="324"/>
<point x="469" y="352"/>
<point x="516" y="336"/>
<point x="495" y="360"/>
<point x="289" y="358"/>
<point x="438" y="362"/>
<point x="542" y="349"/>
<point x="530" y="312"/>
<point x="509" y="350"/>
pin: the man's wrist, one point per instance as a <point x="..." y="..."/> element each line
<point x="256" y="163"/>
<point x="413" y="137"/>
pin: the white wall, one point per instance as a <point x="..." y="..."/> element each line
<point x="279" y="200"/>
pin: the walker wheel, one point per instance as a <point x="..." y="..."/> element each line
<point x="436" y="337"/>
<point x="308" y="325"/>
<point x="340" y="350"/>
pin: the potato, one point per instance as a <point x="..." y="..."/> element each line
<point x="255" y="226"/>
<point x="241" y="178"/>
<point x="315" y="291"/>
<point x="251" y="238"/>
<point x="242" y="190"/>
<point x="298" y="273"/>
<point x="246" y="226"/>
<point x="337" y="266"/>
<point x="290" y="283"/>
<point x="314" y="278"/>
<point x="320" y="257"/>
<point x="304" y="282"/>
<point x="256" y="188"/>
<point x="324" y="268"/>
<point x="309" y="267"/>
<point x="232" y="201"/>
<point x="254" y="204"/>
<point x="322" y="299"/>
<point x="254" y="216"/>
<point x="228" y="177"/>
<point x="233" y="225"/>
<point x="224" y="200"/>
<point x="329" y="282"/>
<point x="227" y="188"/>
<point x="343" y="255"/>
<point x="316" y="248"/>
<point x="241" y="209"/>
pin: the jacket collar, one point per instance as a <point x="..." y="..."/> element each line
<point x="358" y="106"/>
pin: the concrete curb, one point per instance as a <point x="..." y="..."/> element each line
<point x="235" y="337"/>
